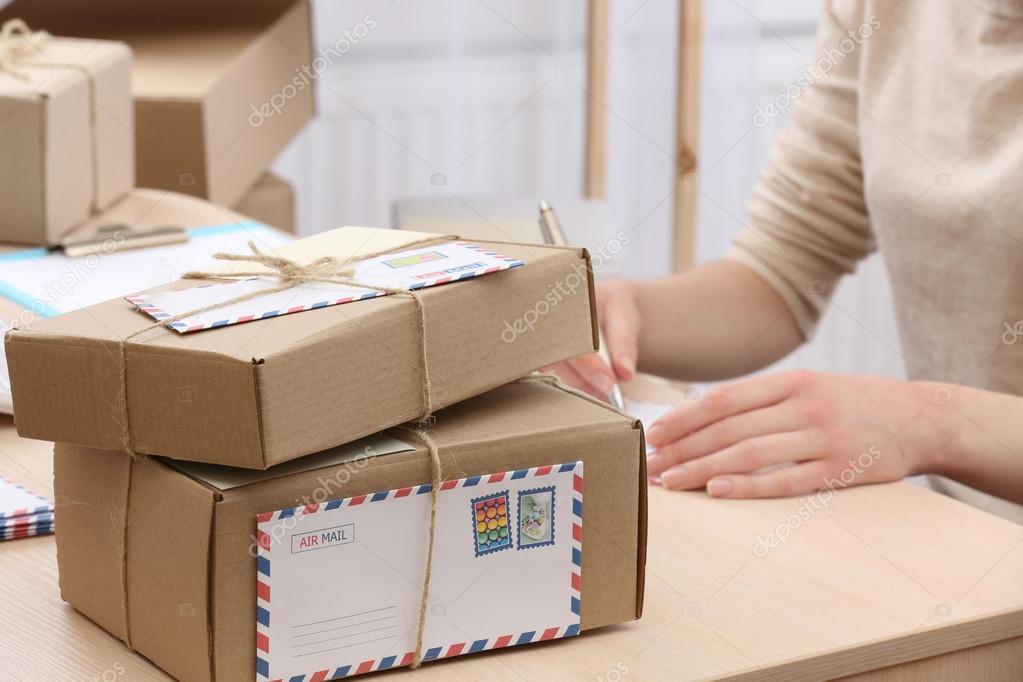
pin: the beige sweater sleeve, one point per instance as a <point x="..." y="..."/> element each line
<point x="808" y="218"/>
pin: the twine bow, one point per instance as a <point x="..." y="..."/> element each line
<point x="326" y="269"/>
<point x="18" y="41"/>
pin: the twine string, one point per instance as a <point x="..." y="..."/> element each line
<point x="424" y="601"/>
<point x="326" y="269"/>
<point x="17" y="41"/>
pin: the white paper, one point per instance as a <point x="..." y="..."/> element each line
<point x="411" y="269"/>
<point x="343" y="585"/>
<point x="225" y="478"/>
<point x="6" y="405"/>
<point x="16" y="501"/>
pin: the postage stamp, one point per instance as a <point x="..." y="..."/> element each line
<point x="490" y="516"/>
<point x="536" y="517"/>
<point x="414" y="259"/>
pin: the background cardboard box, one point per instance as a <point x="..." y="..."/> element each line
<point x="202" y="75"/>
<point x="190" y="577"/>
<point x="271" y="201"/>
<point x="51" y="128"/>
<point x="264" y="392"/>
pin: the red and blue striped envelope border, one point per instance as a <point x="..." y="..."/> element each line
<point x="264" y="520"/>
<point x="43" y="506"/>
<point x="26" y="526"/>
<point x="158" y="313"/>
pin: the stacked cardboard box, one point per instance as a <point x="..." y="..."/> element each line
<point x="256" y="468"/>
<point x="219" y="90"/>
<point x="305" y="480"/>
<point x="66" y="134"/>
<point x="186" y="540"/>
<point x="271" y="201"/>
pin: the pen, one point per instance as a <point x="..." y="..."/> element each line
<point x="110" y="238"/>
<point x="552" y="233"/>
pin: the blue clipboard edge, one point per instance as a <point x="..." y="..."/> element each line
<point x="24" y="300"/>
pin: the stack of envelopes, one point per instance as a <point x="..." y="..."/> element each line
<point x="23" y="514"/>
<point x="247" y="468"/>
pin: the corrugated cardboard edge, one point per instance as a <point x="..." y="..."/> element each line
<point x="254" y="364"/>
<point x="211" y="648"/>
<point x="641" y="537"/>
<point x="590" y="284"/>
<point x="218" y="497"/>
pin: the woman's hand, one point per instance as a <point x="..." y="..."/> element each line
<point x="796" y="432"/>
<point x="618" y="312"/>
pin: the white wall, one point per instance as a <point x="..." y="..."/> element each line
<point x="471" y="98"/>
<point x="460" y="96"/>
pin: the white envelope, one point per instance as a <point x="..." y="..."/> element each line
<point x="339" y="584"/>
<point x="409" y="270"/>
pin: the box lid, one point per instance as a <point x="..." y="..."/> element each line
<point x="264" y="392"/>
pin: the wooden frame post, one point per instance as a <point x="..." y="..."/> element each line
<point x="597" y="49"/>
<point x="687" y="133"/>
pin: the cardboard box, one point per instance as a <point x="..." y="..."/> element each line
<point x="271" y="201"/>
<point x="182" y="547"/>
<point x="270" y="390"/>
<point x="148" y="208"/>
<point x="220" y="88"/>
<point x="67" y="153"/>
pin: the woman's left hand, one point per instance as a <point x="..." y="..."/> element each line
<point x="792" y="433"/>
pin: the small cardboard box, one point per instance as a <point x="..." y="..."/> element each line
<point x="66" y="134"/>
<point x="270" y="390"/>
<point x="167" y="555"/>
<point x="271" y="201"/>
<point x="220" y="88"/>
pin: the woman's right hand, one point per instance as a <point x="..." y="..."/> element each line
<point x="619" y="317"/>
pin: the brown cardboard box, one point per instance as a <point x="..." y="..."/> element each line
<point x="144" y="208"/>
<point x="66" y="132"/>
<point x="190" y="575"/>
<point x="207" y="79"/>
<point x="271" y="201"/>
<point x="260" y="393"/>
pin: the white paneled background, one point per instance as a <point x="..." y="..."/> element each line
<point x="476" y="98"/>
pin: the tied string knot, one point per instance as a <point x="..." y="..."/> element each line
<point x="324" y="269"/>
<point x="289" y="273"/>
<point x="17" y="42"/>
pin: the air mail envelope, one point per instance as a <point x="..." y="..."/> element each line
<point x="339" y="584"/>
<point x="410" y="269"/>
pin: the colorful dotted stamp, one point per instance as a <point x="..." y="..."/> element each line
<point x="536" y="517"/>
<point x="490" y="519"/>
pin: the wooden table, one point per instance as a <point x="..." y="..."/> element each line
<point x="880" y="583"/>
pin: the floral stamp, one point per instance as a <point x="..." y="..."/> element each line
<point x="536" y="517"/>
